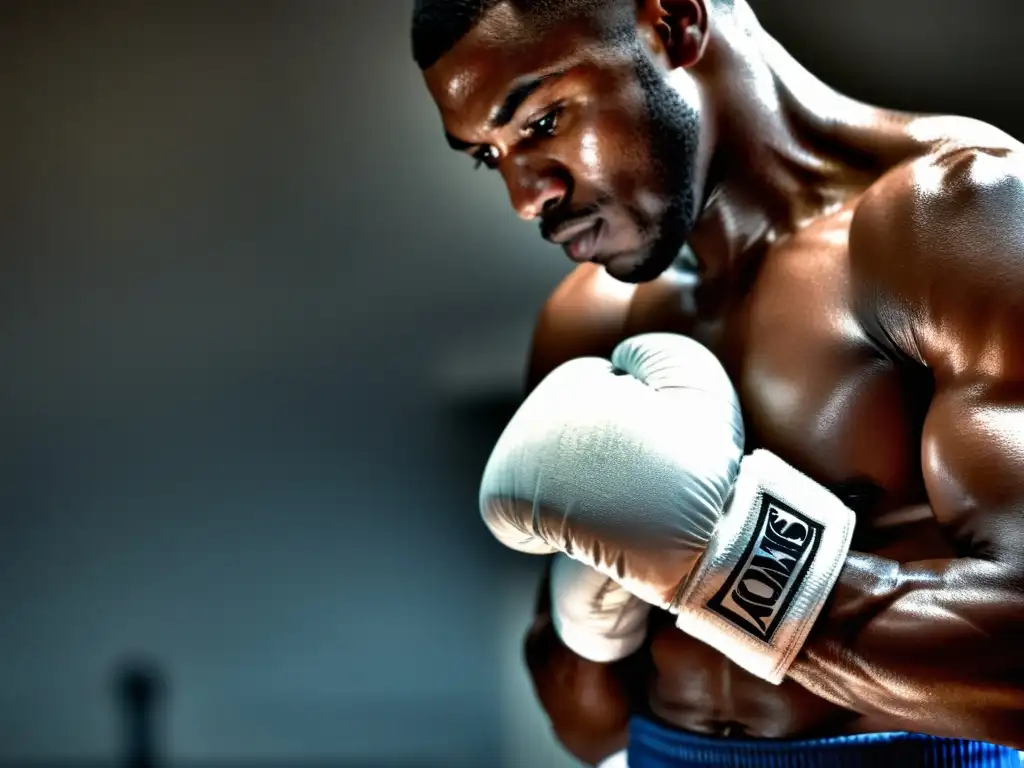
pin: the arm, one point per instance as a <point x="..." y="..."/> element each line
<point x="588" y="703"/>
<point x="938" y="262"/>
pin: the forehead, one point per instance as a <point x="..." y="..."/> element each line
<point x="504" y="47"/>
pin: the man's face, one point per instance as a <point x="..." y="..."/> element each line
<point x="588" y="136"/>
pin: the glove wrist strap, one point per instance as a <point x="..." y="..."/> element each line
<point x="773" y="560"/>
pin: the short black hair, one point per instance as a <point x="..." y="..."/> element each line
<point x="437" y="25"/>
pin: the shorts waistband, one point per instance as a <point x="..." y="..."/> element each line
<point x="652" y="745"/>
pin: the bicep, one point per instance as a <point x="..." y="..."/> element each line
<point x="972" y="458"/>
<point x="937" y="268"/>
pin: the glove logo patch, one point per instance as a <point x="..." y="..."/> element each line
<point x="758" y="592"/>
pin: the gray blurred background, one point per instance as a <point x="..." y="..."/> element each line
<point x="259" y="329"/>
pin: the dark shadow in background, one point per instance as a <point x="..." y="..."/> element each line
<point x="237" y="262"/>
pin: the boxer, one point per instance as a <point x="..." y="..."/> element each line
<point x="774" y="438"/>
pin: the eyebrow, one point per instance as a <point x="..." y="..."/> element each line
<point x="503" y="115"/>
<point x="456" y="143"/>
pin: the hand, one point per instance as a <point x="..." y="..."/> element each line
<point x="635" y="467"/>
<point x="593" y="615"/>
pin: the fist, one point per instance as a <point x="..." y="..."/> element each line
<point x="624" y="465"/>
<point x="635" y="468"/>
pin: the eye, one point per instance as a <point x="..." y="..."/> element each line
<point x="545" y="126"/>
<point x="487" y="156"/>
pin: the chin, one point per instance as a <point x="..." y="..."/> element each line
<point x="627" y="273"/>
<point x="635" y="268"/>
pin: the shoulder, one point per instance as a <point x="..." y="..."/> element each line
<point x="937" y="254"/>
<point x="590" y="312"/>
<point x="586" y="314"/>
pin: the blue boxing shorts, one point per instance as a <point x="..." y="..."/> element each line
<point x="652" y="745"/>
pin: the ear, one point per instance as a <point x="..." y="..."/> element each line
<point x="675" y="29"/>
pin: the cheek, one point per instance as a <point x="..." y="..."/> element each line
<point x="633" y="181"/>
<point x="613" y="158"/>
<point x="592" y="154"/>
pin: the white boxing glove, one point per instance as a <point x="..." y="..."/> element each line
<point x="594" y="615"/>
<point x="635" y="467"/>
<point x="618" y="760"/>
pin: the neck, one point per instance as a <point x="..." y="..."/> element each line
<point x="785" y="147"/>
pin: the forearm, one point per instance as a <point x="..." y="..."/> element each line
<point x="587" y="703"/>
<point x="932" y="646"/>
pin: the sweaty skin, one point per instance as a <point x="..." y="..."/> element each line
<point x="860" y="274"/>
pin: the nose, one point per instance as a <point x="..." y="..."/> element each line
<point x="534" y="191"/>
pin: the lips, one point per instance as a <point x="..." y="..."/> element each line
<point x="582" y="246"/>
<point x="578" y="235"/>
<point x="567" y="231"/>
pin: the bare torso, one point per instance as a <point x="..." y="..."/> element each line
<point x="858" y="275"/>
<point x="818" y="392"/>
